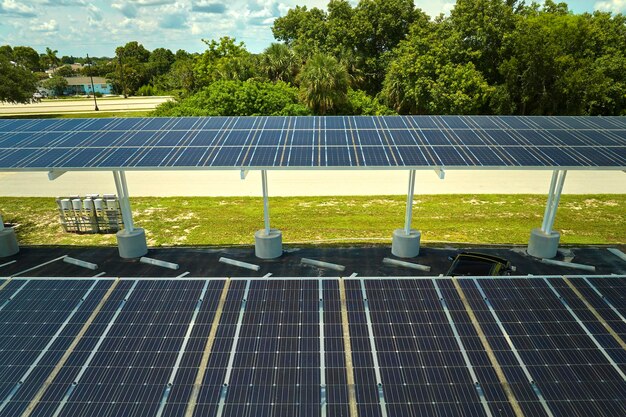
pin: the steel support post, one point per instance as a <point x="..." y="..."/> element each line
<point x="268" y="243"/>
<point x="544" y="242"/>
<point x="546" y="214"/>
<point x="405" y="242"/>
<point x="555" y="201"/>
<point x="266" y="205"/>
<point x="409" y="203"/>
<point x="122" y="192"/>
<point x="131" y="241"/>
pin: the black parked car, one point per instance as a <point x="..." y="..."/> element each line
<point x="478" y="264"/>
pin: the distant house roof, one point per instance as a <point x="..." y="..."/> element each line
<point x="85" y="80"/>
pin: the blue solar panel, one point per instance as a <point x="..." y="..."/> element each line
<point x="574" y="370"/>
<point x="415" y="350"/>
<point x="312" y="142"/>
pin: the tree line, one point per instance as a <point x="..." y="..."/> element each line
<point x="386" y="57"/>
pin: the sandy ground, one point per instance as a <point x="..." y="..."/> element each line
<point x="309" y="183"/>
<point x="82" y="106"/>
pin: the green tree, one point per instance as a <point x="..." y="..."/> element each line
<point x="360" y="103"/>
<point x="133" y="52"/>
<point x="225" y="60"/>
<point x="130" y="70"/>
<point x="340" y="32"/>
<point x="65" y="71"/>
<point x="237" y="98"/>
<point x="180" y="80"/>
<point x="361" y="37"/>
<point x="68" y="60"/>
<point x="324" y="84"/>
<point x="304" y="30"/>
<point x="280" y="63"/>
<point x="7" y="52"/>
<point x="27" y="57"/>
<point x="17" y="84"/>
<point x="50" y="58"/>
<point x="56" y="84"/>
<point x="161" y="61"/>
<point x="481" y="27"/>
<point x="459" y="89"/>
<point x="567" y="64"/>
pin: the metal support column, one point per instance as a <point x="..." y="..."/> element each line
<point x="409" y="203"/>
<point x="556" y="197"/>
<point x="122" y="193"/>
<point x="266" y="205"/>
<point x="544" y="242"/>
<point x="546" y="214"/>
<point x="131" y="241"/>
<point x="406" y="242"/>
<point x="268" y="242"/>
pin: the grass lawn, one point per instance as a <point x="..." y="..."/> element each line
<point x="477" y="219"/>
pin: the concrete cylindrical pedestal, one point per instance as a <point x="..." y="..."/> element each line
<point x="268" y="246"/>
<point x="132" y="244"/>
<point x="542" y="245"/>
<point x="405" y="246"/>
<point x="8" y="243"/>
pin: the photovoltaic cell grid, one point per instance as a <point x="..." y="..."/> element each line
<point x="314" y="142"/>
<point x="415" y="349"/>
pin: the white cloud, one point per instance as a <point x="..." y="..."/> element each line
<point x="49" y="26"/>
<point x="149" y="2"/>
<point x="127" y="9"/>
<point x="204" y="6"/>
<point x="14" y="8"/>
<point x="94" y="12"/>
<point x="615" y="6"/>
<point x="174" y="21"/>
<point x="62" y="2"/>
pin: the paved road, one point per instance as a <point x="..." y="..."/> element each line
<point x="309" y="183"/>
<point x="82" y="106"/>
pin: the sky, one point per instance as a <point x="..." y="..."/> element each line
<point x="97" y="27"/>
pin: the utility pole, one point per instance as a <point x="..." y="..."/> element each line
<point x="93" y="90"/>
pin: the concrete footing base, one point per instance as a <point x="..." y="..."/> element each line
<point x="132" y="244"/>
<point x="268" y="246"/>
<point x="8" y="243"/>
<point x="405" y="246"/>
<point x="542" y="245"/>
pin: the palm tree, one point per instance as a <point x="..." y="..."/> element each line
<point x="51" y="58"/>
<point x="324" y="83"/>
<point x="279" y="63"/>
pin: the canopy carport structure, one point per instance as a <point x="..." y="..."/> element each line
<point x="410" y="143"/>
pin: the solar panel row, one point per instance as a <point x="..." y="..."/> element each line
<point x="414" y="351"/>
<point x="310" y="142"/>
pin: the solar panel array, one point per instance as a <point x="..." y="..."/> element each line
<point x="529" y="346"/>
<point x="314" y="142"/>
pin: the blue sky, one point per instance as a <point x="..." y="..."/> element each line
<point x="96" y="27"/>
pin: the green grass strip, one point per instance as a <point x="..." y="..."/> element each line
<point x="478" y="219"/>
